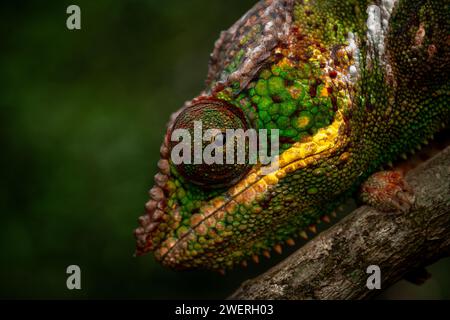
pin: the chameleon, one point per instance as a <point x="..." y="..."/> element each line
<point x="351" y="85"/>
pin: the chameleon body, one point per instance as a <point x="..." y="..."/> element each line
<point x="350" y="84"/>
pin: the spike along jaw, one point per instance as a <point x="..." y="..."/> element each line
<point x="214" y="216"/>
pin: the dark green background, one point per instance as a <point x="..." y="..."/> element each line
<point x="82" y="115"/>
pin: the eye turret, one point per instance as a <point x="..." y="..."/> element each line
<point x="204" y="136"/>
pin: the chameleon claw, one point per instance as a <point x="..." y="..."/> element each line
<point x="326" y="219"/>
<point x="266" y="254"/>
<point x="255" y="259"/>
<point x="407" y="196"/>
<point x="244" y="263"/>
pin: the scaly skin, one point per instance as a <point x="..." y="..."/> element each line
<point x="344" y="103"/>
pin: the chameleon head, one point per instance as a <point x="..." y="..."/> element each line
<point x="217" y="215"/>
<point x="265" y="73"/>
<point x="193" y="222"/>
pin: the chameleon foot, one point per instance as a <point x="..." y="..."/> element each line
<point x="387" y="191"/>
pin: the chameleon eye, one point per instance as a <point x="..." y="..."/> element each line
<point x="215" y="117"/>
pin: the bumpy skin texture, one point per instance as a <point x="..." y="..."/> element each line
<point x="351" y="84"/>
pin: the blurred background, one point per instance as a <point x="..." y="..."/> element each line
<point x="82" y="115"/>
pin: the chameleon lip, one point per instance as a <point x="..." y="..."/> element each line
<point x="336" y="144"/>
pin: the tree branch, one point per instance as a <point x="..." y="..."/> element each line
<point x="333" y="265"/>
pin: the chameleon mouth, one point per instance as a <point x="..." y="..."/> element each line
<point x="173" y="252"/>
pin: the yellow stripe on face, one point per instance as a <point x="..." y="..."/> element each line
<point x="294" y="158"/>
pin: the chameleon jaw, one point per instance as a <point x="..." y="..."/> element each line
<point x="208" y="232"/>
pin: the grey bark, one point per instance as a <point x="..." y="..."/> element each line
<point x="333" y="265"/>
